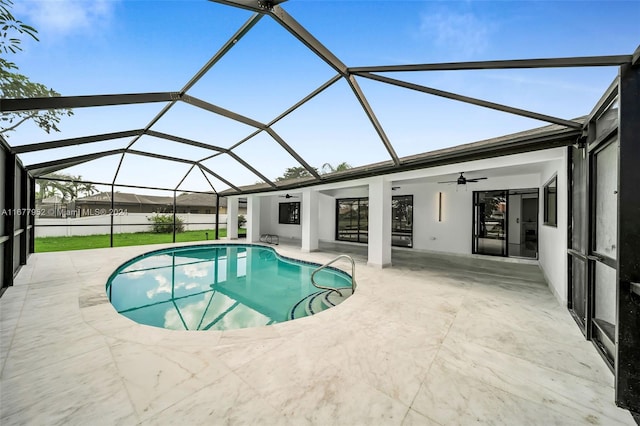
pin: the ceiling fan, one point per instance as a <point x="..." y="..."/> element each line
<point x="463" y="180"/>
<point x="287" y="196"/>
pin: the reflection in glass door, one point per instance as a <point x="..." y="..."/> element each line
<point x="489" y="222"/>
<point x="352" y="219"/>
<point x="402" y="221"/>
<point x="604" y="162"/>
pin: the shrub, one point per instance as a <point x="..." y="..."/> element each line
<point x="163" y="223"/>
<point x="241" y="220"/>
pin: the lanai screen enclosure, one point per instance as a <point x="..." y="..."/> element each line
<point x="229" y="164"/>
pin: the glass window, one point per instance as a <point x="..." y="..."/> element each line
<point x="352" y="218"/>
<point x="551" y="202"/>
<point x="402" y="221"/>
<point x="608" y="120"/>
<point x="289" y="213"/>
<point x="606" y="196"/>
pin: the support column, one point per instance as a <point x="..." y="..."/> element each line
<point x="379" y="222"/>
<point x="232" y="218"/>
<point x="253" y="219"/>
<point x="309" y="220"/>
<point x="9" y="220"/>
<point x="627" y="364"/>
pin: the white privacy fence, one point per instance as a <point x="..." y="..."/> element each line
<point x="122" y="224"/>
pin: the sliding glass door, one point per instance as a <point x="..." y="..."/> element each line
<point x="352" y="220"/>
<point x="489" y="222"/>
<point x="402" y="221"/>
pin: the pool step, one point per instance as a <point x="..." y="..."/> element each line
<point x="318" y="302"/>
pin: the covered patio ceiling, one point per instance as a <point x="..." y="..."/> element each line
<point x="217" y="164"/>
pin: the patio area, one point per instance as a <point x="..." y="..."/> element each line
<point x="435" y="339"/>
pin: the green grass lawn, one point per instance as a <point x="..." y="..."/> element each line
<point x="45" y="244"/>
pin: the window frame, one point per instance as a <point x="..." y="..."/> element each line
<point x="546" y="213"/>
<point x="361" y="232"/>
<point x="393" y="220"/>
<point x="293" y="213"/>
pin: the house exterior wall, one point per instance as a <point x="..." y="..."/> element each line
<point x="327" y="217"/>
<point x="269" y="219"/>
<point x="552" y="244"/>
<point x="453" y="234"/>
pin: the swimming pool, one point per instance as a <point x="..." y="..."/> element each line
<point x="220" y="287"/>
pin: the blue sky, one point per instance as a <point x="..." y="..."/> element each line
<point x="126" y="46"/>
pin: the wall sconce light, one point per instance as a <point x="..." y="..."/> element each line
<point x="439" y="206"/>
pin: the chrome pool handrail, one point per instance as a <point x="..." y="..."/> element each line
<point x="353" y="274"/>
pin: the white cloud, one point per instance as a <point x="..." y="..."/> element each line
<point x="463" y="33"/>
<point x="196" y="271"/>
<point x="65" y="17"/>
<point x="164" y="286"/>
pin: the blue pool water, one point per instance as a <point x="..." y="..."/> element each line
<point x="214" y="287"/>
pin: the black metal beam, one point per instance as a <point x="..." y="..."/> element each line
<point x="260" y="6"/>
<point x="9" y="219"/>
<point x="217" y="218"/>
<point x="174" y="227"/>
<point x="206" y="178"/>
<point x="244" y="29"/>
<point x="111" y="219"/>
<point x="32" y="219"/>
<point x="185" y="176"/>
<point x="121" y="185"/>
<point x="24" y="219"/>
<point x="160" y="156"/>
<point x="298" y="31"/>
<point x="60" y="143"/>
<point x="635" y="58"/>
<point x="627" y="365"/>
<point x="217" y="176"/>
<point x="609" y="95"/>
<point x="39" y="169"/>
<point x="61" y="102"/>
<point x="248" y="166"/>
<point x="223" y="112"/>
<point x="306" y="99"/>
<point x="184" y="141"/>
<point x="473" y="101"/>
<point x="372" y="117"/>
<point x="583" y="61"/>
<point x="292" y="152"/>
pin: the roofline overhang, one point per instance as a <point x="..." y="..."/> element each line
<point x="463" y="153"/>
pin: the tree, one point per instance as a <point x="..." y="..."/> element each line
<point x="69" y="188"/>
<point x="294" y="173"/>
<point x="9" y="26"/>
<point x="328" y="168"/>
<point x="15" y="85"/>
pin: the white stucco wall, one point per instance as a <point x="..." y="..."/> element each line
<point x="454" y="233"/>
<point x="552" y="243"/>
<point x="327" y="217"/>
<point x="269" y="218"/>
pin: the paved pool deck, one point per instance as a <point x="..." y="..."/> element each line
<point x="433" y="340"/>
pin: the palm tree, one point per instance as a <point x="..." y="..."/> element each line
<point x="69" y="188"/>
<point x="328" y="168"/>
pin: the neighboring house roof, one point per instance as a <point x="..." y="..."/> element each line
<point x="54" y="199"/>
<point x="186" y="199"/>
